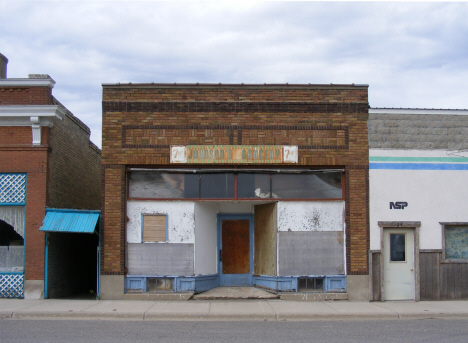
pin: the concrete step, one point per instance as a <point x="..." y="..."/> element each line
<point x="225" y="293"/>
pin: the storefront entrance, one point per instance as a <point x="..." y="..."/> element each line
<point x="235" y="243"/>
<point x="398" y="255"/>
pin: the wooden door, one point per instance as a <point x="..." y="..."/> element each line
<point x="235" y="238"/>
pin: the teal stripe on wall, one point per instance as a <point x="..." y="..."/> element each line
<point x="419" y="166"/>
<point x="418" y="159"/>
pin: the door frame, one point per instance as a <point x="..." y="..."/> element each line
<point x="401" y="225"/>
<point x="227" y="279"/>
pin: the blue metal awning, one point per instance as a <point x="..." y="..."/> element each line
<point x="76" y="221"/>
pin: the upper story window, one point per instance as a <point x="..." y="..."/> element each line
<point x="197" y="184"/>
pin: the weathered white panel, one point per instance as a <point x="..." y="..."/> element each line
<point x="433" y="196"/>
<point x="14" y="216"/>
<point x="160" y="259"/>
<point x="310" y="253"/>
<point x="180" y="215"/>
<point x="311" y="215"/>
<point x="206" y="238"/>
<point x="11" y="258"/>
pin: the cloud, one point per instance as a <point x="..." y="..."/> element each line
<point x="410" y="54"/>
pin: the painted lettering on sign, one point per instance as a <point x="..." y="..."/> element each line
<point x="399" y="205"/>
<point x="254" y="154"/>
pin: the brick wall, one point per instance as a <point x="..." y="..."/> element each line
<point x="63" y="172"/>
<point x="74" y="165"/>
<point x="33" y="162"/>
<point x="25" y="96"/>
<point x="328" y="123"/>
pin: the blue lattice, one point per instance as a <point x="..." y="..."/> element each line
<point x="11" y="286"/>
<point x="12" y="188"/>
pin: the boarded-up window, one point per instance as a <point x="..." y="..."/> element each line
<point x="154" y="228"/>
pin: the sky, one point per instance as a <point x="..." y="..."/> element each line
<point x="412" y="55"/>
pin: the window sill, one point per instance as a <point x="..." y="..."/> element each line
<point x="454" y="261"/>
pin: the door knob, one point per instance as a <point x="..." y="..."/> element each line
<point x="411" y="269"/>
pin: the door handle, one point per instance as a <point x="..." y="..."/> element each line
<point x="411" y="269"/>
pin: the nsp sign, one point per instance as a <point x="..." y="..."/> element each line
<point x="399" y="205"/>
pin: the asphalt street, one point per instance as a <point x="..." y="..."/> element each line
<point x="116" y="331"/>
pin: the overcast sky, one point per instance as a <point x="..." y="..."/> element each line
<point x="410" y="54"/>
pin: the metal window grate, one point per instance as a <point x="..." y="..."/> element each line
<point x="11" y="286"/>
<point x="12" y="188"/>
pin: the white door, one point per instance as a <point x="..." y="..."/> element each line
<point x="398" y="255"/>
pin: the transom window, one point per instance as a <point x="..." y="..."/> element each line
<point x="236" y="185"/>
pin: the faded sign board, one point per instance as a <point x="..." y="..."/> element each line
<point x="235" y="154"/>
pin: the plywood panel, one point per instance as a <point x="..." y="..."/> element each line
<point x="236" y="246"/>
<point x="160" y="259"/>
<point x="265" y="234"/>
<point x="376" y="287"/>
<point x="310" y="253"/>
<point x="464" y="281"/>
<point x="154" y="228"/>
<point x="429" y="275"/>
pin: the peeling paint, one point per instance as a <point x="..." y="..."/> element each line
<point x="311" y="215"/>
<point x="180" y="217"/>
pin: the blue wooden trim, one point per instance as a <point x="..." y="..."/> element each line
<point x="336" y="284"/>
<point x="331" y="283"/>
<point x="206" y="282"/>
<point x="46" y="263"/>
<point x="199" y="283"/>
<point x="98" y="291"/>
<point x="235" y="279"/>
<point x="142" y="225"/>
<point x="184" y="284"/>
<point x="11" y="273"/>
<point x="167" y="227"/>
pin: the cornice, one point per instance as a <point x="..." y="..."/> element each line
<point x="27" y="83"/>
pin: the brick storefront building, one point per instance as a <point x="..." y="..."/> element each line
<point x="210" y="184"/>
<point x="46" y="161"/>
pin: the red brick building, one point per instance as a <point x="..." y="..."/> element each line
<point x="46" y="161"/>
<point x="215" y="184"/>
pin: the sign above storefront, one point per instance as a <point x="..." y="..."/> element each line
<point x="234" y="154"/>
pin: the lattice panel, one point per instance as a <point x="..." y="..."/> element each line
<point x="11" y="286"/>
<point x="12" y="188"/>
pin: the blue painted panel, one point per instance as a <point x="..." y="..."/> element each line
<point x="287" y="284"/>
<point x="239" y="280"/>
<point x="135" y="284"/>
<point x="335" y="284"/>
<point x="281" y="284"/>
<point x="184" y="284"/>
<point x="206" y="282"/>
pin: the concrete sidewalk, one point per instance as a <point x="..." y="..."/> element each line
<point x="242" y="310"/>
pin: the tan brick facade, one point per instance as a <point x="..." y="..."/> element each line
<point x="327" y="123"/>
